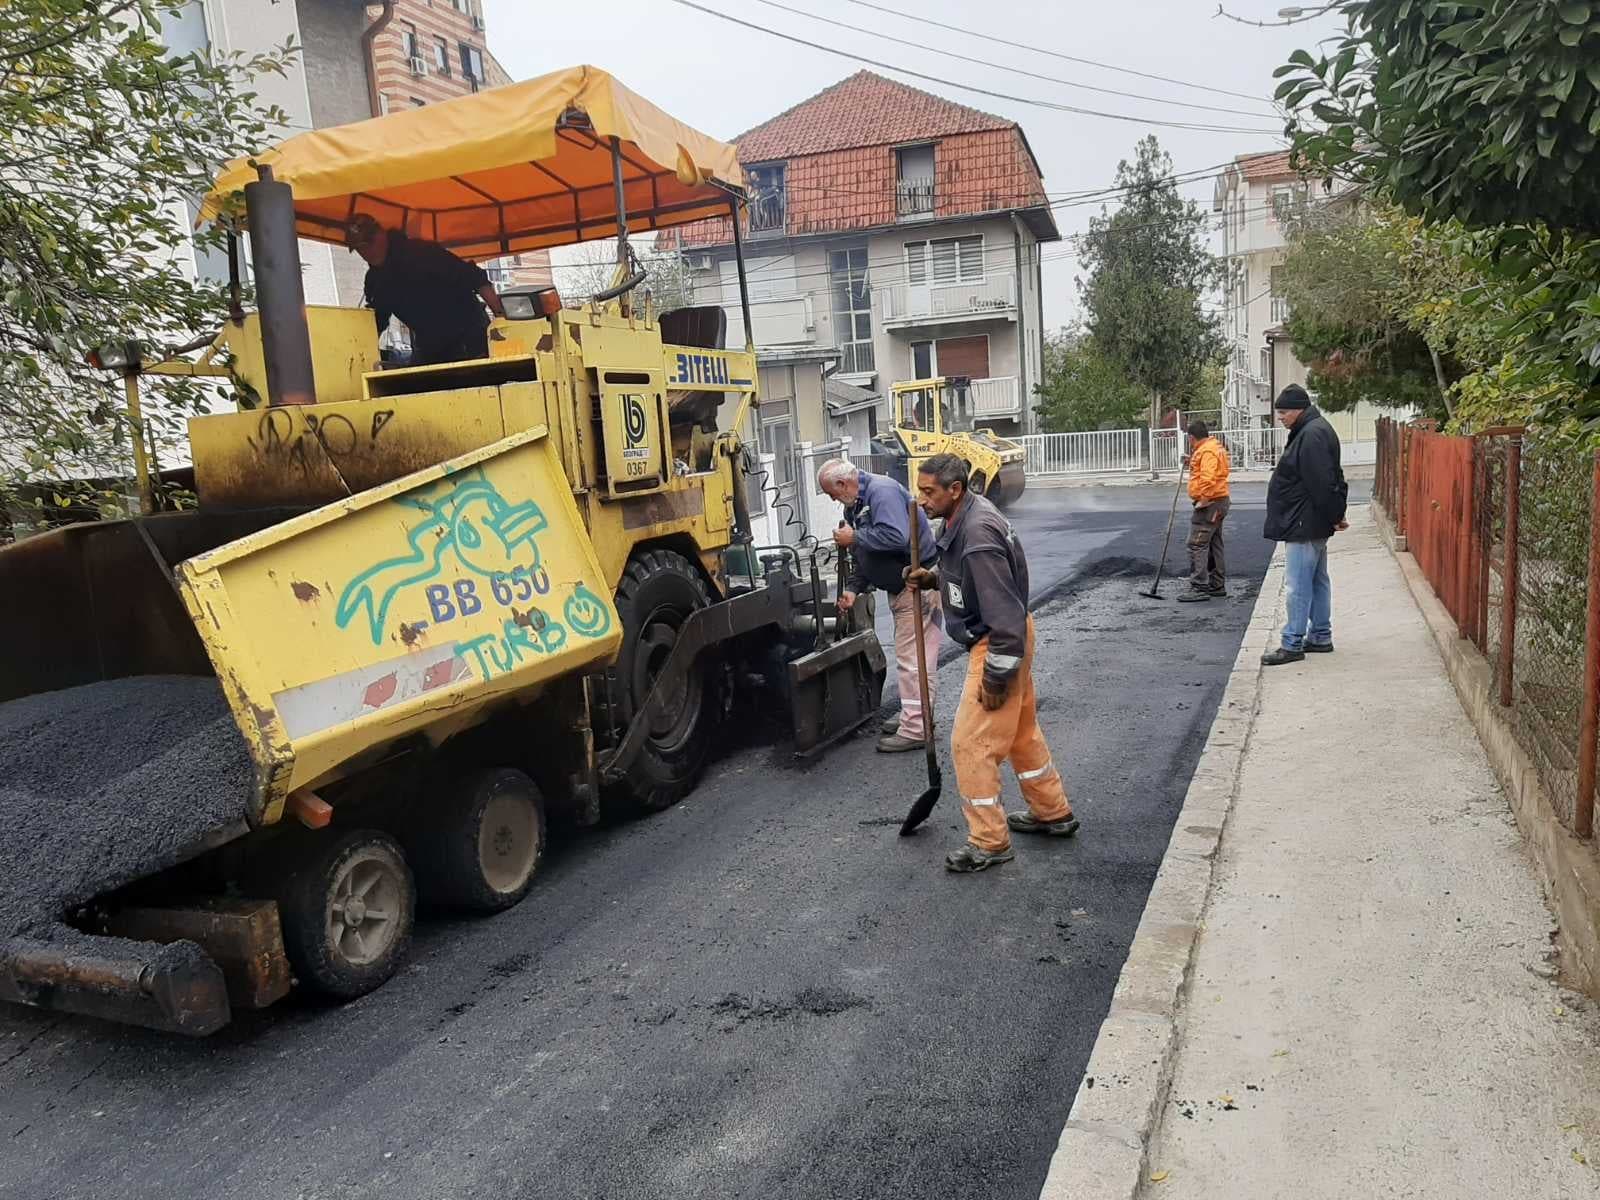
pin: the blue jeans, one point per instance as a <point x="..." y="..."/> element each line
<point x="1310" y="595"/>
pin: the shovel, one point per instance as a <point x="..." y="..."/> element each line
<point x="1155" y="584"/>
<point x="923" y="808"/>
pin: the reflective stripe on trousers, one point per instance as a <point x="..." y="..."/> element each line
<point x="981" y="740"/>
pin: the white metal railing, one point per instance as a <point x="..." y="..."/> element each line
<point x="1280" y="310"/>
<point x="856" y="358"/>
<point x="914" y="197"/>
<point x="993" y="296"/>
<point x="996" y="397"/>
<point x="1100" y="452"/>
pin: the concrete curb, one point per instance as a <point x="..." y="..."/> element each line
<point x="1569" y="870"/>
<point x="1102" y="1153"/>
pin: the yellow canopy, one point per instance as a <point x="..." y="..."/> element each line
<point x="514" y="168"/>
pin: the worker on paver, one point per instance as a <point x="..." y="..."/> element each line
<point x="1208" y="489"/>
<point x="440" y="297"/>
<point x="877" y="513"/>
<point x="982" y="577"/>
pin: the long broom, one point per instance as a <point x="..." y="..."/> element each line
<point x="923" y="808"/>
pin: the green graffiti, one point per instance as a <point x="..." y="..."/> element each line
<point x="466" y="524"/>
<point x="587" y="613"/>
<point x="518" y="640"/>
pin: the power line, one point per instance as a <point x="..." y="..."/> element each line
<point x="968" y="87"/>
<point x="1088" y="62"/>
<point x="983" y="62"/>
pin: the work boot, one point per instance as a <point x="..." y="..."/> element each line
<point x="891" y="726"/>
<point x="1276" y="658"/>
<point x="1319" y="647"/>
<point x="895" y="744"/>
<point x="1218" y="592"/>
<point x="974" y="858"/>
<point x="1193" y="596"/>
<point x="1026" y="822"/>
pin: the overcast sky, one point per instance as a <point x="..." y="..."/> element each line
<point x="723" y="79"/>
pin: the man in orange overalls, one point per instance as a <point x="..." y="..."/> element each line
<point x="983" y="581"/>
<point x="1208" y="489"/>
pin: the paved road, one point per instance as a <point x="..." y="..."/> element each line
<point x="762" y="992"/>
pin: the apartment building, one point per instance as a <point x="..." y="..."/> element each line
<point x="1255" y="196"/>
<point x="427" y="51"/>
<point x="891" y="234"/>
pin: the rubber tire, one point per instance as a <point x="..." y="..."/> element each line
<point x="660" y="587"/>
<point x="445" y="853"/>
<point x="304" y="897"/>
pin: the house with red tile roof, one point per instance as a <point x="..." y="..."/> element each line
<point x="891" y="234"/>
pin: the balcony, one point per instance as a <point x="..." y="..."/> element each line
<point x="767" y="214"/>
<point x="1280" y="310"/>
<point x="992" y="398"/>
<point x="856" y="359"/>
<point x="994" y="298"/>
<point x="778" y="322"/>
<point x="914" y="199"/>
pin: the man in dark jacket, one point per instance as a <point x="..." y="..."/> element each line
<point x="440" y="297"/>
<point x="1305" y="507"/>
<point x="877" y="512"/>
<point x="983" y="579"/>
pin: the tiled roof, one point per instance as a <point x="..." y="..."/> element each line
<point x="864" y="110"/>
<point x="1271" y="165"/>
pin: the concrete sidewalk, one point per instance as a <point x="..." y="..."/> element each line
<point x="1343" y="983"/>
<point x="1370" y="1009"/>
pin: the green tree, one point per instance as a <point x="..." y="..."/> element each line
<point x="1483" y="118"/>
<point x="1084" y="388"/>
<point x="106" y="139"/>
<point x="1149" y="268"/>
<point x="1347" y="288"/>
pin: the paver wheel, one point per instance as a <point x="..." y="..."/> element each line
<point x="658" y="591"/>
<point x="347" y="909"/>
<point x="479" y="848"/>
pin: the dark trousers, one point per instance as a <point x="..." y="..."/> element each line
<point x="1208" y="569"/>
<point x="431" y="351"/>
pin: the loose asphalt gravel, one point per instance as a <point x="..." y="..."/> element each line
<point x="103" y="783"/>
<point x="762" y="992"/>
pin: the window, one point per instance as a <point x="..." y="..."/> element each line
<point x="852" y="309"/>
<point x="459" y="5"/>
<point x="924" y="365"/>
<point x="1285" y="201"/>
<point x="767" y="198"/>
<point x="441" y="56"/>
<point x="914" y="181"/>
<point x="944" y="261"/>
<point x="770" y="277"/>
<point x="409" y="44"/>
<point x="472" y="63"/>
<point x="416" y="103"/>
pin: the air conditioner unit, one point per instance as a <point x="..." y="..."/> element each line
<point x="477" y="20"/>
<point x="419" y="65"/>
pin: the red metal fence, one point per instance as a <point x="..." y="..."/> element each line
<point x="1505" y="525"/>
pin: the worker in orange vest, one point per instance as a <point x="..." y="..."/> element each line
<point x="1208" y="488"/>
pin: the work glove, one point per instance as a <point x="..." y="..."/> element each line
<point x="992" y="696"/>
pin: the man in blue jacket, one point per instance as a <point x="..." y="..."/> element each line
<point x="877" y="528"/>
<point x="1305" y="507"/>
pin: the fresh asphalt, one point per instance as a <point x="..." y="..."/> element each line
<point x="762" y="992"/>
